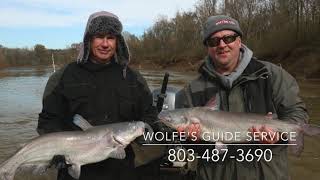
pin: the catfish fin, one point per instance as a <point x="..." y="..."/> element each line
<point x="6" y="176"/>
<point x="311" y="129"/>
<point x="75" y="170"/>
<point x="213" y="103"/>
<point x="118" y="153"/>
<point x="81" y="122"/>
<point x="219" y="146"/>
<point x="297" y="145"/>
<point x="194" y="120"/>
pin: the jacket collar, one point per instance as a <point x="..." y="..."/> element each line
<point x="252" y="71"/>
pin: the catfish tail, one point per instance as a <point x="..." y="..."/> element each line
<point x="311" y="129"/>
<point x="7" y="171"/>
<point x="307" y="129"/>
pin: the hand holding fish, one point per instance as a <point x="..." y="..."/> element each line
<point x="266" y="135"/>
<point x="69" y="149"/>
<point x="59" y="162"/>
<point x="191" y="130"/>
<point x="212" y="121"/>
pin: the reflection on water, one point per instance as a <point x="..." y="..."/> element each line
<point x="24" y="71"/>
<point x="20" y="102"/>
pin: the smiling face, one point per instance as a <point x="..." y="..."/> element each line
<point x="225" y="56"/>
<point x="103" y="47"/>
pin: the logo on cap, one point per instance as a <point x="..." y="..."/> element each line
<point x="225" y="22"/>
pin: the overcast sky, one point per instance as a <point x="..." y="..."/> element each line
<point x="59" y="23"/>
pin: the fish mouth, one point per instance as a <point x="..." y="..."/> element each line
<point x="147" y="128"/>
<point x="164" y="121"/>
<point x="163" y="117"/>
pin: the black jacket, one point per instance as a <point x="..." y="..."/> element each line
<point x="261" y="88"/>
<point x="101" y="95"/>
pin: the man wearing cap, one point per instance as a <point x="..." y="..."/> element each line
<point x="103" y="89"/>
<point x="241" y="83"/>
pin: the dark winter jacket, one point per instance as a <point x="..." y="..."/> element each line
<point x="101" y="95"/>
<point x="255" y="86"/>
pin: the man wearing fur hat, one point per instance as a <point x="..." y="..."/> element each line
<point x="241" y="83"/>
<point x="103" y="89"/>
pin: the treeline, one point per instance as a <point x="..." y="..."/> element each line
<point x="271" y="28"/>
<point x="38" y="55"/>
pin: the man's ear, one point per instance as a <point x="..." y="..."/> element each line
<point x="239" y="42"/>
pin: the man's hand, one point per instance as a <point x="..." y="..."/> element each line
<point x="192" y="130"/>
<point x="265" y="134"/>
<point x="59" y="162"/>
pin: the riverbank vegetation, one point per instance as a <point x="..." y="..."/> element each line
<point x="283" y="31"/>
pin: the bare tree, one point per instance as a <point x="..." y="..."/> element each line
<point x="204" y="9"/>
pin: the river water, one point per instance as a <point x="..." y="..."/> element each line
<point x="20" y="102"/>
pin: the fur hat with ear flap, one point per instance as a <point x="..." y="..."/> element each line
<point x="104" y="22"/>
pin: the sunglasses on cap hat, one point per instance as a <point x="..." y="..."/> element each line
<point x="213" y="42"/>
